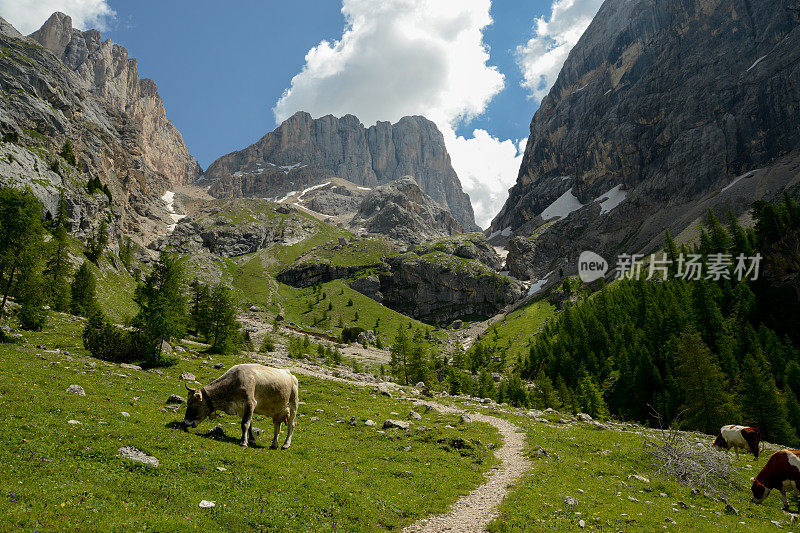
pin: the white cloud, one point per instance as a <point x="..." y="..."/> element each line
<point x="487" y="167"/>
<point x="541" y="58"/>
<point x="398" y="58"/>
<point x="28" y="16"/>
<point x="414" y="57"/>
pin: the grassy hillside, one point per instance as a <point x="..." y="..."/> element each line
<point x="58" y="476"/>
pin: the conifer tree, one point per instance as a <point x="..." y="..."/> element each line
<point x="57" y="269"/>
<point x="84" y="292"/>
<point x="162" y="306"/>
<point x="224" y="329"/>
<point x="761" y="402"/>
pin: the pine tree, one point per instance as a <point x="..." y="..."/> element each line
<point x="20" y="233"/>
<point x="162" y="307"/>
<point x="97" y="244"/>
<point x="399" y="356"/>
<point x="224" y="326"/>
<point x="84" y="292"/>
<point x="761" y="403"/>
<point x="57" y="269"/>
<point x="706" y="398"/>
<point x="200" y="312"/>
<point x="29" y="292"/>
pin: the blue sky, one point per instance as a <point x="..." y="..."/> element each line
<point x="223" y="72"/>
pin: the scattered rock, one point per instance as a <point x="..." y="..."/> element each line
<point x="413" y="415"/>
<point x="129" y="366"/>
<point x="730" y="509"/>
<point x="216" y="432"/>
<point x="205" y="504"/>
<point x="174" y="398"/>
<point x="639" y="478"/>
<point x="399" y="424"/>
<point x="319" y="410"/>
<point x="125" y="414"/>
<point x="670" y="520"/>
<point x="73" y="422"/>
<point x="180" y="349"/>
<point x="314" y="418"/>
<point x="581" y="523"/>
<point x="165" y="347"/>
<point x="420" y="385"/>
<point x="465" y="419"/>
<point x="370" y="423"/>
<point x="156" y="371"/>
<point x="569" y="501"/>
<point x="456" y="324"/>
<point x="76" y="389"/>
<point x="219" y="365"/>
<point x="550" y="410"/>
<point x="632" y="499"/>
<point x="188" y="376"/>
<point x="429" y="408"/>
<point x="775" y="523"/>
<point x="583" y="417"/>
<point x="682" y="505"/>
<point x="132" y="454"/>
<point x="221" y="469"/>
<point x="352" y="422"/>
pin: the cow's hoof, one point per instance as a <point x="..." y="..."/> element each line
<point x="243" y="445"/>
<point x="273" y="446"/>
<point x="285" y="446"/>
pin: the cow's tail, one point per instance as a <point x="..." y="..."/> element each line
<point x="294" y="402"/>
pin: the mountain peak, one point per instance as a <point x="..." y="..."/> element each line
<point x="55" y="34"/>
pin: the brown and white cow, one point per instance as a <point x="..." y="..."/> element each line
<point x="782" y="472"/>
<point x="247" y="390"/>
<point x="738" y="437"/>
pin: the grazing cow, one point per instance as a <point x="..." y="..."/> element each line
<point x="738" y="437"/>
<point x="246" y="390"/>
<point x="781" y="472"/>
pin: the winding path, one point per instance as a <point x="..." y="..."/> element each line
<point x="471" y="512"/>
<point x="475" y="510"/>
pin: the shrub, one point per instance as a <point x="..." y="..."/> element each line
<point x="68" y="153"/>
<point x="351" y="334"/>
<point x="109" y="342"/>
<point x="268" y="345"/>
<point x="11" y="137"/>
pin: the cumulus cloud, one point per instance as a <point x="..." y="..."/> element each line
<point x="29" y="15"/>
<point x="414" y="57"/>
<point x="541" y="58"/>
<point x="398" y="58"/>
<point x="487" y="168"/>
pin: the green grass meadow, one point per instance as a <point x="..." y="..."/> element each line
<point x="60" y="477"/>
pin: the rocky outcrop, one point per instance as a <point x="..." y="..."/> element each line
<point x="467" y="246"/>
<point x="237" y="227"/>
<point x="438" y="287"/>
<point x="116" y="123"/>
<point x="659" y="108"/>
<point x="308" y="151"/>
<point x="308" y="274"/>
<point x="401" y="210"/>
<point x="108" y="73"/>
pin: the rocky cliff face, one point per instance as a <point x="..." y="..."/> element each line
<point x="401" y="210"/>
<point x="303" y="152"/>
<point x="65" y="84"/>
<point x="661" y="110"/>
<point x="108" y="73"/>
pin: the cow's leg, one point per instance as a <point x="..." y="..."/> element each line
<point x="251" y="436"/>
<point x="277" y="420"/>
<point x="247" y="420"/>
<point x="294" y="404"/>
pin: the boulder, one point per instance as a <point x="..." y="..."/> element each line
<point x="399" y="424"/>
<point x="175" y="399"/>
<point x="188" y="376"/>
<point x="76" y="389"/>
<point x="132" y="454"/>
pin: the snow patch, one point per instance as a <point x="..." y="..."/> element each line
<point x="536" y="287"/>
<point x="502" y="252"/>
<point x="757" y="61"/>
<point x="737" y="179"/>
<point x="313" y="188"/>
<point x="562" y="207"/>
<point x="169" y="199"/>
<point x="291" y="193"/>
<point x="611" y="199"/>
<point x="364" y="188"/>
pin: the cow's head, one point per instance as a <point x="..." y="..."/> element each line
<point x="760" y="491"/>
<point x="720" y="443"/>
<point x="198" y="408"/>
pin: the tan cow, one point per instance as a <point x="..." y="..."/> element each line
<point x="247" y="390"/>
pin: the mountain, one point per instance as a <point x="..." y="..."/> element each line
<point x="661" y="111"/>
<point x="303" y="152"/>
<point x="61" y="84"/>
<point x="401" y="210"/>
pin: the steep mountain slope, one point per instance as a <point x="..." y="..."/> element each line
<point x="658" y="110"/>
<point x="74" y="87"/>
<point x="304" y="151"/>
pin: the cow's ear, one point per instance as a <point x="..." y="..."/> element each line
<point x="752" y="479"/>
